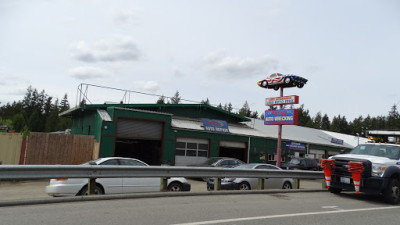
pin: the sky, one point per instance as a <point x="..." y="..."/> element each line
<point x="349" y="50"/>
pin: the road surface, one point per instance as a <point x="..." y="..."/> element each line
<point x="279" y="208"/>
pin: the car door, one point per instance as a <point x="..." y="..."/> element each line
<point x="111" y="185"/>
<point x="139" y="184"/>
<point x="271" y="183"/>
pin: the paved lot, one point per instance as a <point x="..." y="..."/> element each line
<point x="25" y="190"/>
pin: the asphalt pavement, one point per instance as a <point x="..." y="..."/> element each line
<point x="33" y="192"/>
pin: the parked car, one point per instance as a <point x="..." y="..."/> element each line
<point x="251" y="183"/>
<point x="220" y="162"/>
<point x="79" y="186"/>
<point x="302" y="164"/>
<point x="277" y="80"/>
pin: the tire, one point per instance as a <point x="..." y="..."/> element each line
<point x="244" y="186"/>
<point x="175" y="186"/>
<point x="335" y="190"/>
<point x="287" y="185"/>
<point x="97" y="190"/>
<point x="276" y="88"/>
<point x="264" y="83"/>
<point x="300" y="85"/>
<point x="392" y="192"/>
<point x="287" y="80"/>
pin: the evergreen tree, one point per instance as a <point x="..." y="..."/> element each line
<point x="317" y="121"/>
<point x="245" y="110"/>
<point x="161" y="100"/>
<point x="176" y="99"/>
<point x="325" y="123"/>
<point x="207" y="102"/>
<point x="304" y="117"/>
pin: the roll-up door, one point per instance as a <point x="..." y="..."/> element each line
<point x="231" y="144"/>
<point x="190" y="151"/>
<point x="139" y="129"/>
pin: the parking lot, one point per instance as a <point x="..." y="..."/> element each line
<point x="18" y="190"/>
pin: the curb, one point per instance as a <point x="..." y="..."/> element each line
<point x="146" y="195"/>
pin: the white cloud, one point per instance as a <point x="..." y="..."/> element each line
<point x="117" y="48"/>
<point x="218" y="64"/>
<point x="87" y="73"/>
<point x="124" y="15"/>
<point x="177" y="72"/>
<point x="151" y="86"/>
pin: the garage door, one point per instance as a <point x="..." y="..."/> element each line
<point x="189" y="151"/>
<point x="139" y="129"/>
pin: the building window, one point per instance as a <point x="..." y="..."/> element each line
<point x="190" y="148"/>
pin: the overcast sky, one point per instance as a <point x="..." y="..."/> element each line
<point x="348" y="50"/>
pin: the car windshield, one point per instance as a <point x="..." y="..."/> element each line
<point x="388" y="151"/>
<point x="211" y="161"/>
<point x="91" y="162"/>
<point x="245" y="166"/>
<point x="295" y="161"/>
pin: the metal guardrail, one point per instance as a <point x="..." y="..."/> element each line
<point x="22" y="172"/>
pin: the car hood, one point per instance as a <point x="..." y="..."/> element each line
<point x="373" y="159"/>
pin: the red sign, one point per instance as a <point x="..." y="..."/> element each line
<point x="285" y="100"/>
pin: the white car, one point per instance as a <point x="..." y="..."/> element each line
<point x="252" y="183"/>
<point x="79" y="186"/>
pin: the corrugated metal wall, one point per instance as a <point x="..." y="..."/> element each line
<point x="64" y="149"/>
<point x="10" y="148"/>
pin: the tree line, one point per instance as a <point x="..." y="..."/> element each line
<point x="358" y="127"/>
<point x="39" y="112"/>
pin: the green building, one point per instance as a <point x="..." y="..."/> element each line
<point x="184" y="134"/>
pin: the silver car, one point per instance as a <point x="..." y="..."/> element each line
<point x="79" y="186"/>
<point x="252" y="183"/>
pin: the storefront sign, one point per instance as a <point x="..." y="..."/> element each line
<point x="337" y="141"/>
<point x="218" y="126"/>
<point x="281" y="117"/>
<point x="285" y="100"/>
<point x="295" y="146"/>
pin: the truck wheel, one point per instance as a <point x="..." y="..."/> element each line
<point x="392" y="192"/>
<point x="335" y="190"/>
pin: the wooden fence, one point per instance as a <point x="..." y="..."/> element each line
<point x="64" y="149"/>
<point x="10" y="148"/>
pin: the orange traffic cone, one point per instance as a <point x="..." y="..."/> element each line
<point x="356" y="181"/>
<point x="356" y="168"/>
<point x="327" y="165"/>
<point x="328" y="174"/>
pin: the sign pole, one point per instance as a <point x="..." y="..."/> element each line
<point x="279" y="147"/>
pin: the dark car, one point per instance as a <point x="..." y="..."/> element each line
<point x="301" y="164"/>
<point x="277" y="80"/>
<point x="220" y="162"/>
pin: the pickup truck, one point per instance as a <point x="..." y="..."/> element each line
<point x="381" y="174"/>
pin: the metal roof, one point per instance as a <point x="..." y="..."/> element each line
<point x="306" y="134"/>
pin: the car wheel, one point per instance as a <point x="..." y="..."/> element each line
<point x="300" y="85"/>
<point x="276" y="88"/>
<point x="335" y="190"/>
<point x="97" y="190"/>
<point x="244" y="186"/>
<point x="264" y="83"/>
<point x="392" y="192"/>
<point x="175" y="186"/>
<point x="288" y="80"/>
<point x="287" y="185"/>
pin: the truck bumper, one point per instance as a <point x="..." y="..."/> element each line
<point x="371" y="185"/>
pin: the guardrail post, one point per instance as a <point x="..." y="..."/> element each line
<point x="91" y="186"/>
<point x="164" y="184"/>
<point x="260" y="185"/>
<point x="217" y="184"/>
<point x="296" y="183"/>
